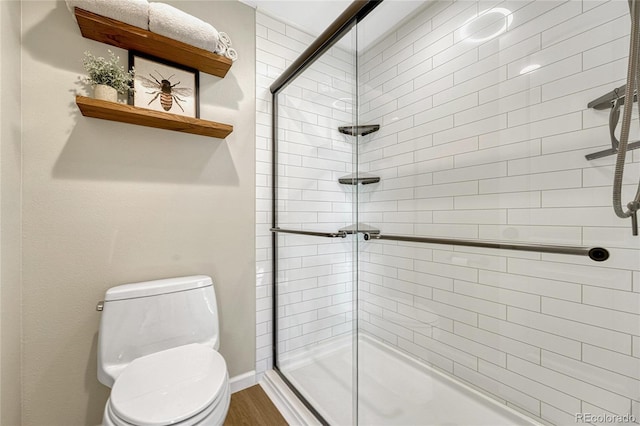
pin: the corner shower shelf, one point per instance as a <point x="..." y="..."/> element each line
<point x="359" y="130"/>
<point x="354" y="179"/>
<point x="145" y="117"/>
<point x="125" y="36"/>
<point x="359" y="228"/>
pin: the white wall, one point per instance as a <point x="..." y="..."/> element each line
<point x="271" y="60"/>
<point x="107" y="203"/>
<point x="470" y="148"/>
<point x="10" y="215"/>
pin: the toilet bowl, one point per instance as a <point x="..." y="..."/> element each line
<point x="157" y="350"/>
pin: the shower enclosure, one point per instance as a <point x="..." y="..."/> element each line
<point x="444" y="246"/>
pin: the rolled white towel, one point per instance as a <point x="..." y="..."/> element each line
<point x="132" y="12"/>
<point x="224" y="37"/>
<point x="221" y="48"/>
<point x="231" y="54"/>
<point x="178" y="25"/>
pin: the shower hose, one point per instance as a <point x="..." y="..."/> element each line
<point x="633" y="77"/>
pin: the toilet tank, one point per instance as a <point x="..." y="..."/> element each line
<point x="143" y="318"/>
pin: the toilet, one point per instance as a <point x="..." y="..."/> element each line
<point x="157" y="351"/>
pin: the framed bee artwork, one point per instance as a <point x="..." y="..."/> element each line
<point x="164" y="86"/>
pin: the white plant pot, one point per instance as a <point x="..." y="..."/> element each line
<point x="106" y="93"/>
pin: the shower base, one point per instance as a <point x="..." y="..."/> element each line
<point x="393" y="389"/>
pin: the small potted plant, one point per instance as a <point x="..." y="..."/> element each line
<point x="107" y="76"/>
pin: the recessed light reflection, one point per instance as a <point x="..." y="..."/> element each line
<point x="343" y="104"/>
<point x="481" y="23"/>
<point x="529" y="68"/>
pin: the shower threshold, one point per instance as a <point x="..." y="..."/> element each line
<point x="394" y="389"/>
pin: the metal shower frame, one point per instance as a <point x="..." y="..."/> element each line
<point x="343" y="24"/>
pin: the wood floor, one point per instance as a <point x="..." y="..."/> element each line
<point x="253" y="407"/>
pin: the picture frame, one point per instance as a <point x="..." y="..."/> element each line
<point x="164" y="86"/>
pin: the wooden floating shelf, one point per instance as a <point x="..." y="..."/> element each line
<point x="114" y="111"/>
<point x="125" y="36"/>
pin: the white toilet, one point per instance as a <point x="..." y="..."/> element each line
<point x="157" y="351"/>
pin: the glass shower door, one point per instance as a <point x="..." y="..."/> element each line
<point x="314" y="253"/>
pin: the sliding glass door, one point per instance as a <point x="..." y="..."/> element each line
<point x="445" y="249"/>
<point x="315" y="257"/>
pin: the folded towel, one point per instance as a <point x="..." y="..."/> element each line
<point x="178" y="25"/>
<point x="133" y="12"/>
<point x="231" y="54"/>
<point x="224" y="37"/>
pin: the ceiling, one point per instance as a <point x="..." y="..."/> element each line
<point x="314" y="16"/>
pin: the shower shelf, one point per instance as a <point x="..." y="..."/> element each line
<point x="359" y="130"/>
<point x="125" y="36"/>
<point x="359" y="228"/>
<point x="354" y="179"/>
<point x="114" y="111"/>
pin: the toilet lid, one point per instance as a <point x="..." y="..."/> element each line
<point x="169" y="386"/>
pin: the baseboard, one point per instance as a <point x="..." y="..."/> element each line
<point x="291" y="408"/>
<point x="242" y="381"/>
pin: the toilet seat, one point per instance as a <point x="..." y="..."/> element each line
<point x="212" y="415"/>
<point x="182" y="385"/>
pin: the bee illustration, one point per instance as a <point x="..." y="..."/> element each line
<point x="167" y="91"/>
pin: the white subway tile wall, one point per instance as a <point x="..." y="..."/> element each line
<point x="315" y="275"/>
<point x="478" y="150"/>
<point x="471" y="148"/>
